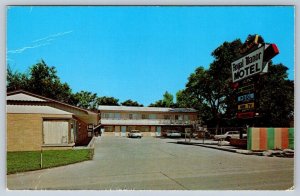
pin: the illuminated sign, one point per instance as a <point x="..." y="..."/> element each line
<point x="246" y="106"/>
<point x="246" y="88"/>
<point x="248" y="65"/>
<point x="245" y="115"/>
<point x="247" y="97"/>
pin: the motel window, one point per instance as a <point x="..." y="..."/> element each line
<point x="167" y="117"/>
<point x="144" y="116"/>
<point x="186" y="117"/>
<point x="117" y="116"/>
<point x="111" y="115"/>
<point x="152" y="116"/>
<point x="180" y="117"/>
<point x="130" y="116"/>
<point x="105" y="115"/>
<point x="144" y="128"/>
<point x="176" y="117"/>
<point x="108" y="128"/>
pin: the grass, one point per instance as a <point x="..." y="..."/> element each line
<point x="31" y="160"/>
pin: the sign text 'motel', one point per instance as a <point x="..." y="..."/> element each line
<point x="248" y="65"/>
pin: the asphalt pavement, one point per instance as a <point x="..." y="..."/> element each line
<point x="161" y="164"/>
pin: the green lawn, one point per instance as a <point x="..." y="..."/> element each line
<point x="27" y="161"/>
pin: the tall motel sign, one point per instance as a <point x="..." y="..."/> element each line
<point x="245" y="75"/>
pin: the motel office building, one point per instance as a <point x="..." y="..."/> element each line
<point x="151" y="121"/>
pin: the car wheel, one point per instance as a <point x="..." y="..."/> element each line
<point x="227" y="138"/>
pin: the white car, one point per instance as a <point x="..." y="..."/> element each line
<point x="173" y="133"/>
<point x="228" y="135"/>
<point x="135" y="134"/>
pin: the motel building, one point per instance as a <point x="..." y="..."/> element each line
<point x="35" y="122"/>
<point x="38" y="123"/>
<point x="151" y="121"/>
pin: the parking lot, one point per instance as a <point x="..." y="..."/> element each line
<point x="162" y="164"/>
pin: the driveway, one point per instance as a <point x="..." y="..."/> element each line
<point x="161" y="164"/>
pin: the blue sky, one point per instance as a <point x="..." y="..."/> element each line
<point x="137" y="52"/>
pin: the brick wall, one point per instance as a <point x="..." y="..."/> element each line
<point x="24" y="132"/>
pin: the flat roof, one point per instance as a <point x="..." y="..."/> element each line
<point x="143" y="109"/>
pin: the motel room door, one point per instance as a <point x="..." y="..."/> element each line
<point x="123" y="131"/>
<point x="158" y="131"/>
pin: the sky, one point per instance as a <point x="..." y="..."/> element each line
<point x="138" y="52"/>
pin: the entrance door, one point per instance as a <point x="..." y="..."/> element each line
<point x="158" y="131"/>
<point x="123" y="131"/>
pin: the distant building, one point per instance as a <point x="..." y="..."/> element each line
<point x="152" y="121"/>
<point x="35" y="122"/>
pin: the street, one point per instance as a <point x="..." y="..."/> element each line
<point x="161" y="164"/>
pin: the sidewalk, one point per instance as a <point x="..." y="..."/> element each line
<point x="225" y="146"/>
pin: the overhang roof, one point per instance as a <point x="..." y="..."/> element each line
<point x="34" y="109"/>
<point x="144" y="109"/>
<point x="25" y="96"/>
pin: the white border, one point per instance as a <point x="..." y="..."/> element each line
<point x="5" y="3"/>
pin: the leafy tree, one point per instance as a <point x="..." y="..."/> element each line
<point x="129" y="102"/>
<point x="276" y="98"/>
<point x="16" y="80"/>
<point x="107" y="101"/>
<point x="167" y="101"/>
<point x="43" y="80"/>
<point x="210" y="91"/>
<point x="86" y="99"/>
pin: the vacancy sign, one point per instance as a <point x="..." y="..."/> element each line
<point x="248" y="65"/>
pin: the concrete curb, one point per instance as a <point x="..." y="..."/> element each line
<point x="288" y="153"/>
<point x="239" y="151"/>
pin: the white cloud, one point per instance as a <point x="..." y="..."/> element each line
<point x="53" y="36"/>
<point x="39" y="42"/>
<point x="20" y="50"/>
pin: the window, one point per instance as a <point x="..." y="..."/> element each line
<point x="108" y="128"/>
<point x="186" y="117"/>
<point x="111" y="115"/>
<point x="167" y="117"/>
<point x="144" y="116"/>
<point x="130" y="116"/>
<point x="117" y="116"/>
<point x="105" y="115"/>
<point x="180" y="117"/>
<point x="152" y="116"/>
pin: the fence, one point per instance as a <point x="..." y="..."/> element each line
<point x="270" y="138"/>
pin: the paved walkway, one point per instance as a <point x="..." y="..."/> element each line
<point x="161" y="164"/>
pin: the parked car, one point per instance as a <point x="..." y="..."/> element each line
<point x="188" y="134"/>
<point x="228" y="135"/>
<point x="135" y="134"/>
<point x="173" y="133"/>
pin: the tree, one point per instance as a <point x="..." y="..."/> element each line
<point x="167" y="101"/>
<point x="107" y="101"/>
<point x="86" y="99"/>
<point x="129" y="102"/>
<point x="16" y="80"/>
<point x="210" y="91"/>
<point x="276" y="98"/>
<point x="42" y="80"/>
